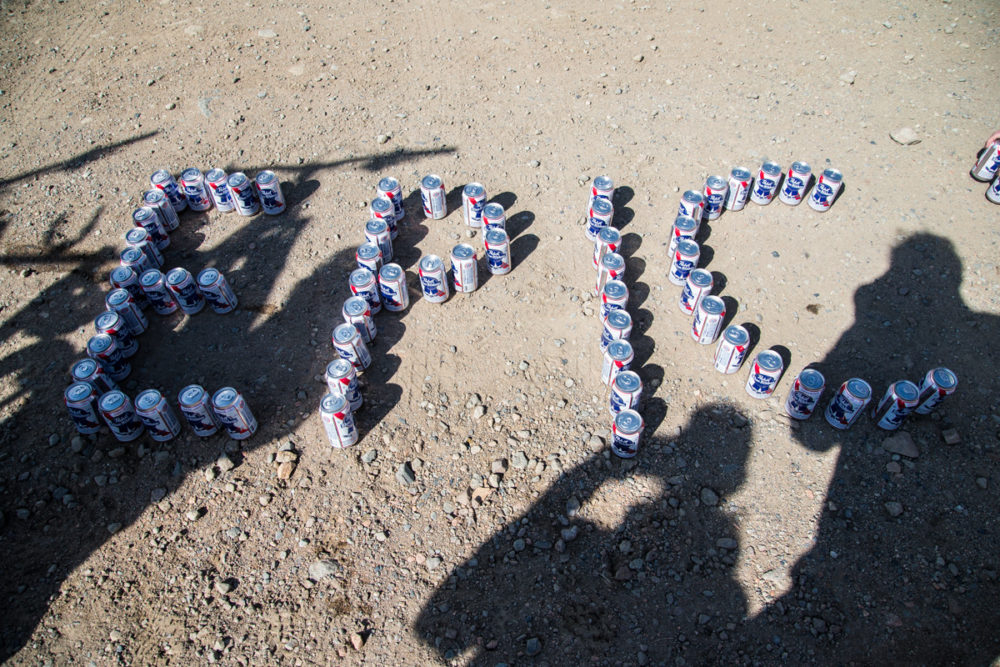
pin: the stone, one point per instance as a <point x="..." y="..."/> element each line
<point x="285" y="456"/>
<point x="369" y="457"/>
<point x="382" y="138"/>
<point x="323" y="569"/>
<point x="572" y="506"/>
<point x="901" y="443"/>
<point x="357" y="641"/>
<point x="569" y="534"/>
<point x="478" y="412"/>
<point x="849" y="77"/>
<point x="532" y="647"/>
<point x="727" y="543"/>
<point x="286" y="469"/>
<point x="405" y="474"/>
<point x="499" y="466"/>
<point x="709" y="497"/>
<point x="225" y="463"/>
<point x="480" y="495"/>
<point x="595" y="443"/>
<point x="894" y="508"/>
<point x="192" y="515"/>
<point x="114" y="527"/>
<point x="519" y="544"/>
<point x="76" y="444"/>
<point x="223" y="586"/>
<point x="519" y="460"/>
<point x="951" y="436"/>
<point x="433" y="563"/>
<point x="893" y="467"/>
<point x="905" y="136"/>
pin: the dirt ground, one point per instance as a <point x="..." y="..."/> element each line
<point x="481" y="518"/>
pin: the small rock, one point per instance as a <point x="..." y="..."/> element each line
<point x="54" y="439"/>
<point x="709" y="497"/>
<point x="726" y="543"/>
<point x="223" y="587"/>
<point x="192" y="515"/>
<point x="382" y="138"/>
<point x="519" y="545"/>
<point x="405" y="474"/>
<point x="369" y="456"/>
<point x="114" y="527"/>
<point x="210" y="474"/>
<point x="76" y="444"/>
<point x="322" y="569"/>
<point x="225" y="463"/>
<point x="849" y="77"/>
<point x="534" y="163"/>
<point x="902" y="444"/>
<point x="951" y="436"/>
<point x="905" y="136"/>
<point x="357" y="641"/>
<point x="171" y="106"/>
<point x="893" y="508"/>
<point x="893" y="467"/>
<point x="982" y="482"/>
<point x="499" y="466"/>
<point x="572" y="506"/>
<point x="478" y="412"/>
<point x="286" y="469"/>
<point x="433" y="563"/>
<point x="638" y="58"/>
<point x="285" y="456"/>
<point x="519" y="460"/>
<point x="569" y="534"/>
<point x="532" y="647"/>
<point x="596" y="443"/>
<point x="157" y="494"/>
<point x="266" y="33"/>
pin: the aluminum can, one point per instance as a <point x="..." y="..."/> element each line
<point x="392" y="288"/>
<point x="497" y="251"/>
<point x="598" y="217"/>
<point x="764" y="374"/>
<point x="233" y="413"/>
<point x="684" y="261"/>
<point x="603" y="187"/>
<point x="938" y="384"/>
<point x="625" y="433"/>
<point x="494" y="217"/>
<point x="825" y="191"/>
<point x="81" y="402"/>
<point x="698" y="285"/>
<point x="848" y="403"/>
<point x="269" y="189"/>
<point x="683" y="229"/>
<point x="117" y="411"/>
<point x="356" y="311"/>
<point x="196" y="406"/>
<point x="740" y="179"/>
<point x="993" y="192"/>
<point x="93" y="372"/>
<point x="432" y="195"/>
<point x="135" y="259"/>
<point x="381" y="208"/>
<point x="163" y="180"/>
<point x="433" y="279"/>
<point x="377" y="232"/>
<point x="362" y="282"/>
<point x="216" y="290"/>
<point x="715" y="196"/>
<point x="341" y="378"/>
<point x="614" y="296"/>
<point x="351" y="346"/>
<point x="612" y="267"/>
<point x="182" y="287"/>
<point x="369" y="256"/>
<point x="146" y="217"/>
<point x="138" y="237"/>
<point x="218" y="187"/>
<point x="692" y="205"/>
<point x="732" y="349"/>
<point x="796" y="181"/>
<point x="388" y="187"/>
<point x="121" y="301"/>
<point x="617" y="358"/>
<point x="155" y="288"/>
<point x="123" y="277"/>
<point x="464" y="268"/>
<point x="193" y="184"/>
<point x="157" y="416"/>
<point x="244" y="194"/>
<point x="626" y="391"/>
<point x="987" y="163"/>
<point x="708" y="318"/>
<point x="766" y="184"/>
<point x="335" y="413"/>
<point x="111" y="323"/>
<point x="617" y="326"/>
<point x="804" y="395"/>
<point x="473" y="201"/>
<point x="609" y="239"/>
<point x="900" y="399"/>
<point x="159" y="202"/>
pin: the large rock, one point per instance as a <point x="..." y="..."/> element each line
<point x="902" y="444"/>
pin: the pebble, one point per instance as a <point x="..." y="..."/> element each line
<point x="223" y="587"/>
<point x="76" y="444"/>
<point x="225" y="463"/>
<point x="433" y="563"/>
<point x="951" y="436"/>
<point x="638" y="58"/>
<point x="114" y="527"/>
<point x="709" y="497"/>
<point x="192" y="515"/>
<point x="382" y="138"/>
<point x="726" y="543"/>
<point x="369" y="456"/>
<point x="905" y="136"/>
<point x="405" y="474"/>
<point x="519" y="460"/>
<point x="54" y="439"/>
<point x="267" y="33"/>
<point x="849" y="77"/>
<point x="534" y="163"/>
<point x="596" y="443"/>
<point x="893" y="508"/>
<point x="893" y="467"/>
<point x="357" y="641"/>
<point x="572" y="506"/>
<point x="569" y="534"/>
<point x="499" y="466"/>
<point x="286" y="469"/>
<point x="901" y="443"/>
<point x="322" y="569"/>
<point x="478" y="412"/>
<point x="519" y="545"/>
<point x="171" y="106"/>
<point x="982" y="482"/>
<point x="532" y="647"/>
<point x="285" y="456"/>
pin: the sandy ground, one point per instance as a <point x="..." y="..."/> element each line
<point x="735" y="536"/>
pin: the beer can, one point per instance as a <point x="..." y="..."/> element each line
<point x="683" y="262"/>
<point x="614" y="296"/>
<point x="464" y="268"/>
<point x="351" y="346"/>
<point x="369" y="256"/>
<point x="93" y="373"/>
<point x="796" y="181"/>
<point x="196" y="406"/>
<point x="740" y="179"/>
<point x="626" y="391"/>
<point x="216" y="290"/>
<point x="708" y="318"/>
<point x="157" y="416"/>
<point x="118" y="413"/>
<point x="617" y="358"/>
<point x="377" y="232"/>
<point x="612" y="268"/>
<point x="433" y="279"/>
<point x="899" y="400"/>
<point x="625" y="433"/>
<point x="764" y="374"/>
<point x="81" y="401"/>
<point x="938" y="384"/>
<point x="123" y="277"/>
<point x="392" y="288"/>
<point x="993" y="192"/>
<point x="497" y="251"/>
<point x="138" y="237"/>
<point x="154" y="285"/>
<point x="617" y="326"/>
<point x="494" y="217"/>
<point x="335" y="413"/>
<point x="362" y="282"/>
<point x="598" y="217"/>
<point x="848" y="403"/>
<point x="388" y="187"/>
<point x="473" y="201"/>
<point x="732" y="349"/>
<point x="692" y="205"/>
<point x="825" y="191"/>
<point x="766" y="184"/>
<point x="193" y="184"/>
<point x="121" y="301"/>
<point x="987" y="163"/>
<point x="244" y="194"/>
<point x="381" y="208"/>
<point x="609" y="239"/>
<point x="341" y="378"/>
<point x="218" y="187"/>
<point x="163" y="180"/>
<point x="715" y="196"/>
<point x="356" y="311"/>
<point x="135" y="259"/>
<point x="112" y="323"/>
<point x="432" y="196"/>
<point x="683" y="229"/>
<point x="603" y="187"/>
<point x="269" y="189"/>
<point x="182" y="287"/>
<point x="104" y="349"/>
<point x="146" y="217"/>
<point x="233" y="413"/>
<point x="804" y="394"/>
<point x="159" y="202"/>
<point x="698" y="285"/>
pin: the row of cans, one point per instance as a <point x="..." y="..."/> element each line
<point x="201" y="191"/>
<point x="987" y="170"/>
<point x="152" y="413"/>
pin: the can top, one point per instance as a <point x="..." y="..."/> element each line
<point x="602" y="206"/>
<point x="381" y="205"/>
<point x="153" y="197"/>
<point x="832" y="175"/>
<point x="191" y="395"/>
<point x="177" y="276"/>
<point x="207" y="277"/>
<point x="361" y="277"/>
<point x="811" y="379"/>
<point x="390" y="271"/>
<point x="355" y="306"/>
<point x="215" y="176"/>
<point x="628" y="422"/>
<point x="237" y="179"/>
<point x="117" y="297"/>
<point x="618" y="319"/>
<point x="112" y="400"/>
<point x="801" y="167"/>
<point x="192" y="174"/>
<point x="628" y="381"/>
<point x="700" y="278"/>
<point x="475" y="190"/>
<point x="109" y="319"/>
<point x="225" y="397"/>
<point x="944" y="378"/>
<point x="345" y="333"/>
<point x="688" y="248"/>
<point x="906" y="390"/>
<point x="150" y="277"/>
<point x="685" y="223"/>
<point x="333" y="403"/>
<point x="339" y="368"/>
<point x="99" y="343"/>
<point x="715" y="182"/>
<point x="604" y="183"/>
<point x="740" y="174"/>
<point x="121" y="275"/>
<point x="376" y="226"/>
<point x="369" y="251"/>
<point x="83" y="369"/>
<point x="147" y="399"/>
<point x="131" y="255"/>
<point x="613" y="261"/>
<point x="609" y="235"/>
<point x="136" y="235"/>
<point x="494" y="211"/>
<point x="769" y="360"/>
<point x="463" y="251"/>
<point x="430" y="263"/>
<point x="143" y="213"/>
<point x="713" y="305"/>
<point x="495" y="236"/>
<point x="771" y="168"/>
<point x="620" y="350"/>
<point x="615" y="289"/>
<point x="693" y="197"/>
<point x="736" y="335"/>
<point x="430" y="182"/>
<point x="160" y="176"/>
<point x="387" y="184"/>
<point x="79" y="391"/>
<point x="858" y="388"/>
